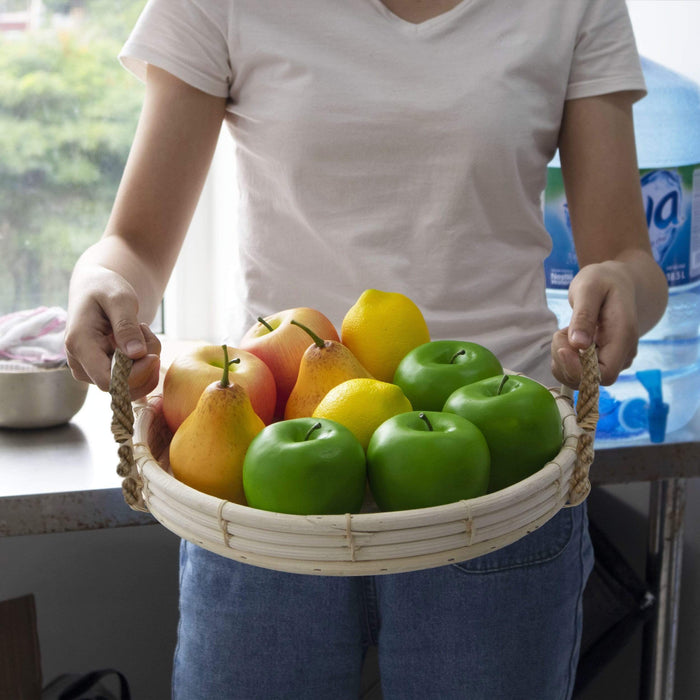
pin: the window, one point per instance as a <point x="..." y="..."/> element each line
<point x="68" y="111"/>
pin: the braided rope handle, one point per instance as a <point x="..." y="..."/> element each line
<point x="587" y="419"/>
<point x="123" y="431"/>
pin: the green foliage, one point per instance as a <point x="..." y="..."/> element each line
<point x="68" y="111"/>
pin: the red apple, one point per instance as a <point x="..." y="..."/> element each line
<point x="281" y="345"/>
<point x="191" y="372"/>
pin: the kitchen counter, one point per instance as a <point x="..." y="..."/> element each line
<point x="62" y="479"/>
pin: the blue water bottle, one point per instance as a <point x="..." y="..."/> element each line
<point x="661" y="391"/>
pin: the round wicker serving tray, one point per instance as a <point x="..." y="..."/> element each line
<point x="352" y="544"/>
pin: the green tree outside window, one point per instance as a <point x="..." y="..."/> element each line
<point x="68" y="111"/>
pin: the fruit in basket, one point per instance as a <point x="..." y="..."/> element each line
<point x="429" y="373"/>
<point x="281" y="345"/>
<point x="426" y="458"/>
<point x="520" y="420"/>
<point x="362" y="405"/>
<point x="325" y="364"/>
<point x="208" y="449"/>
<point x="305" y="466"/>
<point x="380" y="328"/>
<point x="191" y="372"/>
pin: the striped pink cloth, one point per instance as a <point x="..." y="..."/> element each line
<point x="34" y="337"/>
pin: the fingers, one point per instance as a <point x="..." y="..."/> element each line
<point x="102" y="318"/>
<point x="89" y="346"/>
<point x="90" y="360"/>
<point x="603" y="313"/>
<point x="144" y="374"/>
<point x="136" y="340"/>
<point x="566" y="363"/>
<point x="587" y="298"/>
<point x="565" y="366"/>
<point x="613" y="359"/>
<point x="121" y="309"/>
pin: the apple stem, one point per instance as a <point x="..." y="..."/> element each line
<point x="319" y="342"/>
<point x="425" y="419"/>
<point x="265" y="323"/>
<point x="500" y="386"/>
<point x="224" y="379"/>
<point x="457" y="354"/>
<point x="315" y="426"/>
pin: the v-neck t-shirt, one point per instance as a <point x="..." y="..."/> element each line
<point x="372" y="152"/>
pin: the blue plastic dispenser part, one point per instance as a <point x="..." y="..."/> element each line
<point x="652" y="414"/>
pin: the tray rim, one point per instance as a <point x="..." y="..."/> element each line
<point x="342" y="544"/>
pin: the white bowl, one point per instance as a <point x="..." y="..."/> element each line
<point x="39" y="398"/>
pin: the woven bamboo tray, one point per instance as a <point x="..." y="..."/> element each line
<point x="352" y="544"/>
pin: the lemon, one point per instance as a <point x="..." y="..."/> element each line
<point x="380" y="328"/>
<point x="362" y="405"/>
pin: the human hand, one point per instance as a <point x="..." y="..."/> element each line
<point x="604" y="312"/>
<point x="102" y="315"/>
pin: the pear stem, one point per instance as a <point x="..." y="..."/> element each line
<point x="265" y="323"/>
<point x="224" y="379"/>
<point x="501" y="385"/>
<point x="457" y="354"/>
<point x="319" y="341"/>
<point x="315" y="426"/>
<point x="425" y="419"/>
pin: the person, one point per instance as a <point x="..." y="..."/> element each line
<point x="400" y="145"/>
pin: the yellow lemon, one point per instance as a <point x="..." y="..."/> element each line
<point x="362" y="405"/>
<point x="380" y="328"/>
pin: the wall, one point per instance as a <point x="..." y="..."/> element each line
<point x="105" y="599"/>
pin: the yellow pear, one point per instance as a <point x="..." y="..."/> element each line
<point x="208" y="448"/>
<point x="324" y="365"/>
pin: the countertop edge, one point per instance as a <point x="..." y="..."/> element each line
<point x="45" y="513"/>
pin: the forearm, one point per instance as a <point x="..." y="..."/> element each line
<point x="118" y="282"/>
<point x="146" y="275"/>
<point x="162" y="181"/>
<point x="650" y="286"/>
<point x="620" y="292"/>
<point x="605" y="201"/>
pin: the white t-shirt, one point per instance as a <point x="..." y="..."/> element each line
<point x="372" y="152"/>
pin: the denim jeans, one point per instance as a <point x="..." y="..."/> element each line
<point x="505" y="626"/>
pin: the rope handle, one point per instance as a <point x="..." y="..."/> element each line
<point x="123" y="431"/>
<point x="587" y="419"/>
<point x="132" y="482"/>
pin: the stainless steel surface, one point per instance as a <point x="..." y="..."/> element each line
<point x="678" y="457"/>
<point x="664" y="559"/>
<point x="39" y="399"/>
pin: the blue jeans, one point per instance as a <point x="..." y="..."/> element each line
<point x="505" y="626"/>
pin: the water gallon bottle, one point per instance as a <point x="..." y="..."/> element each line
<point x="661" y="391"/>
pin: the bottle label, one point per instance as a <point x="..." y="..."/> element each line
<point x="672" y="204"/>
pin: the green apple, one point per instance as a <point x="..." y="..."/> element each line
<point x="305" y="466"/>
<point x="429" y="373"/>
<point x="519" y="418"/>
<point x="422" y="459"/>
